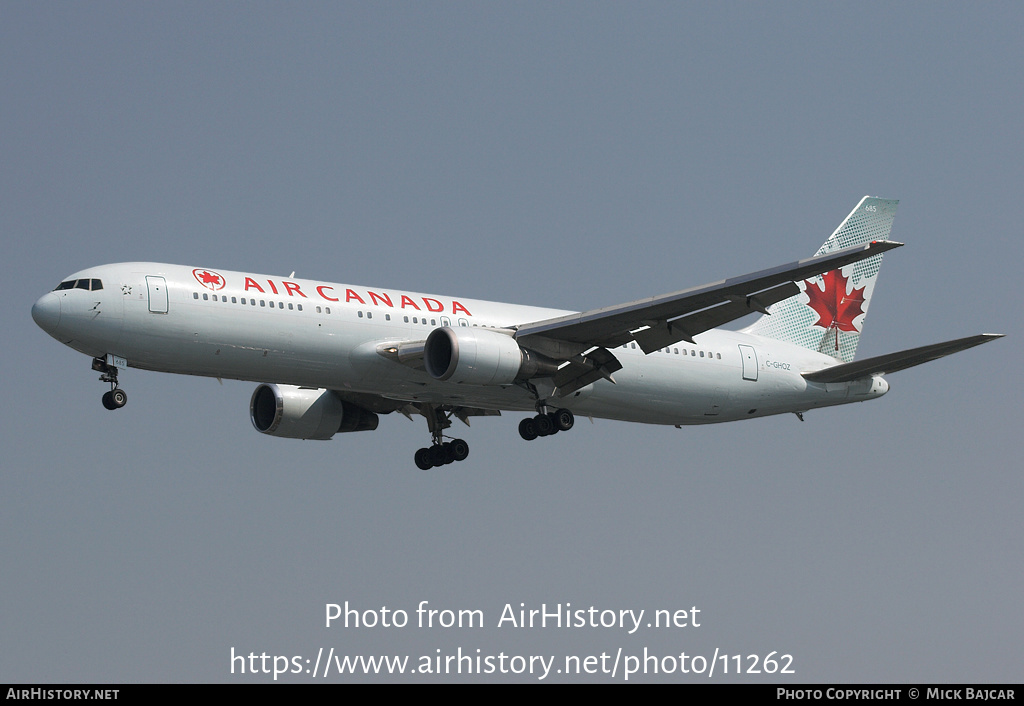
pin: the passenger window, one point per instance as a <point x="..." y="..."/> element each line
<point x="359" y="314"/>
<point x="406" y="319"/>
<point x="290" y="306"/>
<point x="300" y="306"/>
<point x="206" y="297"/>
<point x="234" y="300"/>
<point x="369" y="314"/>
<point x="195" y="295"/>
<point x="327" y="309"/>
<point x="318" y="310"/>
<point x="264" y="303"/>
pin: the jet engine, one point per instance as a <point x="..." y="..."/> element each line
<point x="306" y="413"/>
<point x="478" y="356"/>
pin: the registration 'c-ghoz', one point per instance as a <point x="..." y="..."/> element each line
<point x="332" y="357"/>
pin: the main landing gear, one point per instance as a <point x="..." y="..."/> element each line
<point x="116" y="398"/>
<point x="440" y="453"/>
<point x="546" y="424"/>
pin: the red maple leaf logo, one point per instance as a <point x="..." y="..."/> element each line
<point x="834" y="307"/>
<point x="210" y="280"/>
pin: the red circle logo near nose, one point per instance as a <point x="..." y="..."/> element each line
<point x="209" y="279"/>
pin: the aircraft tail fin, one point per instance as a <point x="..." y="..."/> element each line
<point x="828" y="314"/>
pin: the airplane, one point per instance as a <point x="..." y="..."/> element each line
<point x="329" y="358"/>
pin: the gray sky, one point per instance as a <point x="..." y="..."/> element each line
<point x="572" y="155"/>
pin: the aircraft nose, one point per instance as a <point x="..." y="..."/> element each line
<point x="46" y="312"/>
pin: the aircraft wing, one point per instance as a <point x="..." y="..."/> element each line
<point x="900" y="360"/>
<point x="660" y="321"/>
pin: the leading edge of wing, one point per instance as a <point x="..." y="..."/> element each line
<point x="611" y="326"/>
<point x="901" y="360"/>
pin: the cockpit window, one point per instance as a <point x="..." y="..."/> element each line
<point x="87" y="284"/>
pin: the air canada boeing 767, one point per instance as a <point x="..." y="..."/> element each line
<point x="331" y="357"/>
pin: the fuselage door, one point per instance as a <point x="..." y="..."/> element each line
<point x="749" y="358"/>
<point x="157" y="294"/>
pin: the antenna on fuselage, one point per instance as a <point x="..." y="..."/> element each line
<point x="292" y="275"/>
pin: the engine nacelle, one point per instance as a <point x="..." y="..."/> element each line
<point x="305" y="413"/>
<point x="479" y="356"/>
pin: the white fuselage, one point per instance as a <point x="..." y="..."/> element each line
<point x="324" y="335"/>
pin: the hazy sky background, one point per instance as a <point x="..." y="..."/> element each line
<point x="573" y="155"/>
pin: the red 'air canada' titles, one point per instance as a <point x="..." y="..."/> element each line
<point x="327" y="292"/>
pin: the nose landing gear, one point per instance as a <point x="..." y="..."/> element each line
<point x="115" y="398"/>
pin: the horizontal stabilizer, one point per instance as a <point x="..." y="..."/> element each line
<point x="891" y="362"/>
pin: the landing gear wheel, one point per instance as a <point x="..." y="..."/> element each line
<point x="119" y="397"/>
<point x="115" y="399"/>
<point x="438" y="455"/>
<point x="449" y="454"/>
<point x="545" y="426"/>
<point x="528" y="429"/>
<point x="563" y="419"/>
<point x="423" y="461"/>
<point x="460" y="450"/>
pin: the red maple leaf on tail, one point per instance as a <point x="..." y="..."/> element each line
<point x="835" y="308"/>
